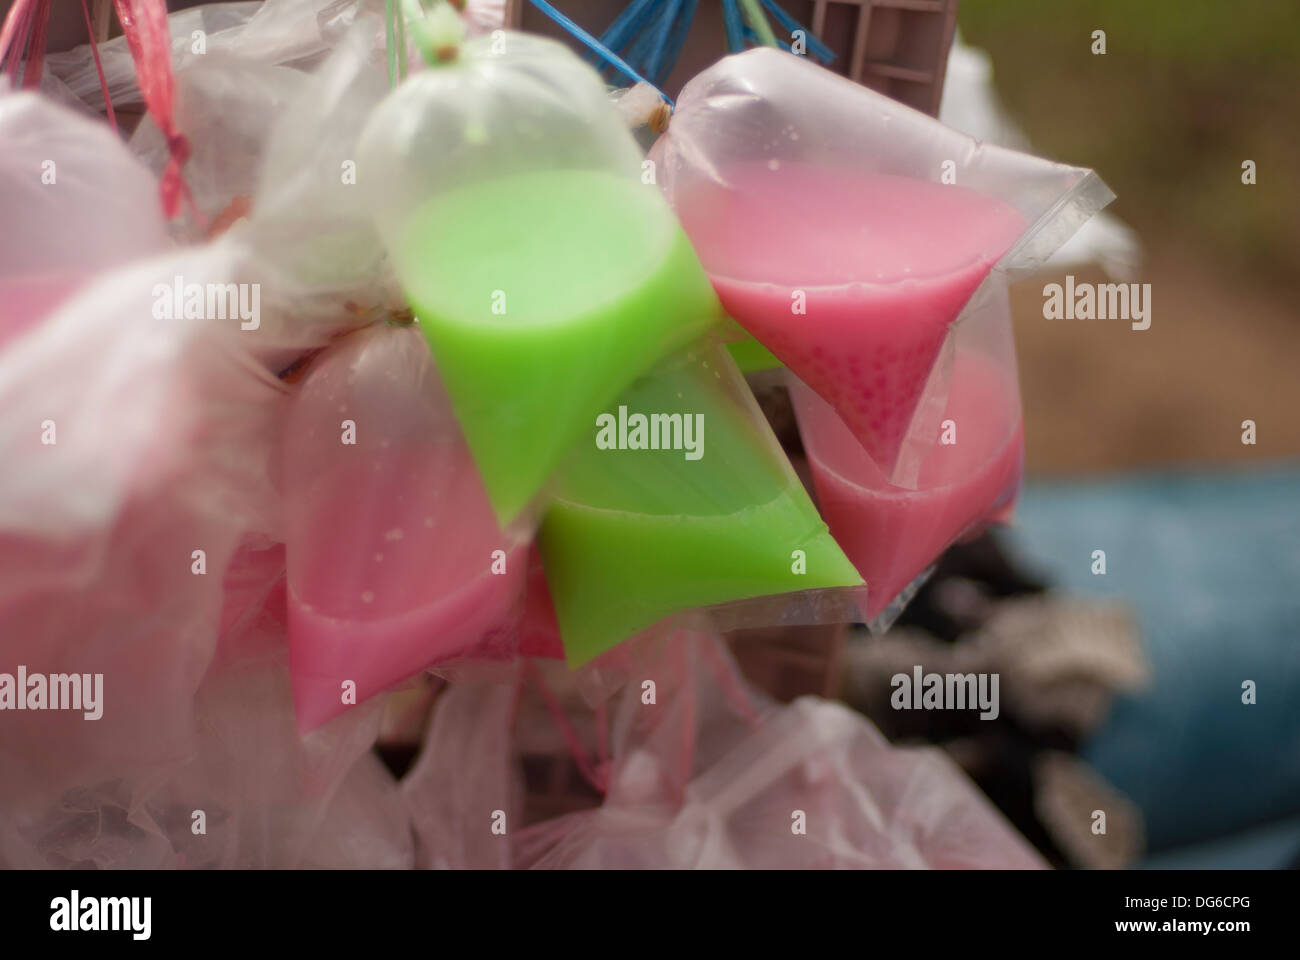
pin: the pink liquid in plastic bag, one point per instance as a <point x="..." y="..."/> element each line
<point x="391" y="542"/>
<point x="893" y="534"/>
<point x="428" y="596"/>
<point x="851" y="278"/>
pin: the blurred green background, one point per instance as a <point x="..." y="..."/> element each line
<point x="1187" y="90"/>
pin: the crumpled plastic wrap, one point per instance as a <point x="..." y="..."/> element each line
<point x="145" y="446"/>
<point x="75" y="203"/>
<point x="287" y="32"/>
<point x="274" y="153"/>
<point x="708" y="775"/>
<point x="250" y="793"/>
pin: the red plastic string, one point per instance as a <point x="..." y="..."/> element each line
<point x="36" y="43"/>
<point x="602" y="742"/>
<point x="571" y="740"/>
<point x="732" y="688"/>
<point x="17" y="25"/>
<point x="103" y="82"/>
<point x="144" y="23"/>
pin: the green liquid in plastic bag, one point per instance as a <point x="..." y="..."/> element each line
<point x="635" y="535"/>
<point x="543" y="296"/>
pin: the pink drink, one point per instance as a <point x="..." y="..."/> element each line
<point x="893" y="534"/>
<point x="391" y="543"/>
<point x="385" y="584"/>
<point x="885" y="263"/>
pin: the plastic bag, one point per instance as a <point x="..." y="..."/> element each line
<point x="395" y="558"/>
<point x="464" y="776"/>
<point x="968" y="477"/>
<point x="227" y="108"/>
<point x="75" y="203"/>
<point x="711" y="782"/>
<point x="270" y="32"/>
<point x="686" y="468"/>
<point x="273" y="158"/>
<point x="545" y="273"/>
<point x="847" y="231"/>
<point x="707" y="777"/>
<point x="251" y="793"/>
<point x="145" y="439"/>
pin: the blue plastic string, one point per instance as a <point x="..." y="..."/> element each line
<point x="815" y="45"/>
<point x="628" y="24"/>
<point x="734" y="26"/>
<point x="659" y="40"/>
<point x="609" y="56"/>
<point x="676" y="39"/>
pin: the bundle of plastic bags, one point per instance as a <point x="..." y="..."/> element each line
<point x="428" y="374"/>
<point x="702" y="773"/>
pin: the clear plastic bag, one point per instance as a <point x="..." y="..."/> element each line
<point x="248" y="791"/>
<point x="146" y="448"/>
<point x="395" y="558"/>
<point x="75" y="203"/>
<point x="684" y="467"/>
<point x="272" y="164"/>
<point x="969" y="474"/>
<point x="847" y="232"/>
<point x="710" y="775"/>
<point x="715" y="778"/>
<point x="545" y="273"/>
<point x="270" y="32"/>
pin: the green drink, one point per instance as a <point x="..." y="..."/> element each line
<point x="637" y="534"/>
<point x="543" y="295"/>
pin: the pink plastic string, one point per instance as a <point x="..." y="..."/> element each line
<point x="36" y="47"/>
<point x="144" y="23"/>
<point x="18" y="26"/>
<point x="570" y="735"/>
<point x="99" y="67"/>
<point x="602" y="742"/>
<point x="732" y="688"/>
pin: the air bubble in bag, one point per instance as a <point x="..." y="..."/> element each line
<point x="392" y="561"/>
<point x="846" y="231"/>
<point x="970" y="469"/>
<point x="546" y="274"/>
<point x="716" y="514"/>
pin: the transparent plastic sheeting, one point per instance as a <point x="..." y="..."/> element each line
<point x="148" y="432"/>
<point x="685" y="467"/>
<point x="706" y="779"/>
<point x="968" y="477"/>
<point x="395" y="558"/>
<point x="546" y="274"/>
<point x="273" y="157"/>
<point x="268" y="797"/>
<point x="265" y="31"/>
<point x="146" y="451"/>
<point x="846" y="231"/>
<point x="75" y="203"/>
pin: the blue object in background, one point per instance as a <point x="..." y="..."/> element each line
<point x="1212" y="565"/>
